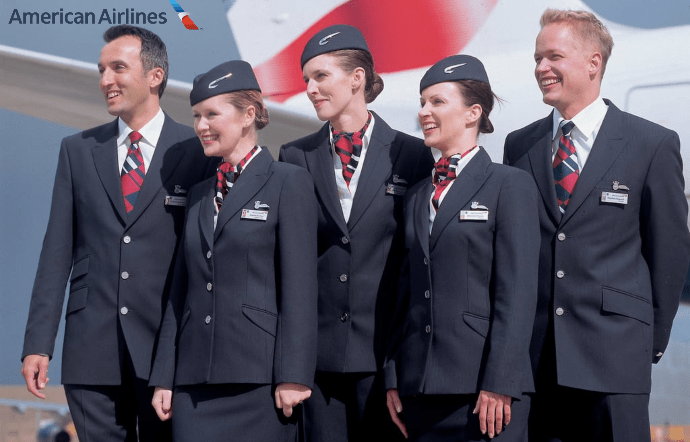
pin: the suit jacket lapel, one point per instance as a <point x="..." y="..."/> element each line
<point x="206" y="211"/>
<point x="377" y="167"/>
<point x="105" y="160"/>
<point x="606" y="148"/>
<point x="540" y="157"/>
<point x="166" y="157"/>
<point x="320" y="164"/>
<point x="247" y="185"/>
<point x="466" y="185"/>
<point x="421" y="216"/>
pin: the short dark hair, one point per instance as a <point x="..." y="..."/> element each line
<point x="153" y="52"/>
<point x="477" y="92"/>
<point x="351" y="59"/>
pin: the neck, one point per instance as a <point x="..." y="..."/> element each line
<point x="143" y="115"/>
<point x="351" y="121"/>
<point x="243" y="147"/>
<point x="571" y="110"/>
<point x="461" y="146"/>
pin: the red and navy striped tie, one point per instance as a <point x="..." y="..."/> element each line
<point x="133" y="172"/>
<point x="445" y="173"/>
<point x="226" y="175"/>
<point x="566" y="171"/>
<point x="348" y="146"/>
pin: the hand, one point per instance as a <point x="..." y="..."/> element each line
<point x="288" y="395"/>
<point x="494" y="411"/>
<point x="35" y="372"/>
<point x="395" y="408"/>
<point x="162" y="403"/>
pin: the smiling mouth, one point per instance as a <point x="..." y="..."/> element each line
<point x="428" y="127"/>
<point x="209" y="138"/>
<point x="549" y="82"/>
<point x="113" y="94"/>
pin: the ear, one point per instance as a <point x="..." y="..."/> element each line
<point x="358" y="78"/>
<point x="474" y="112"/>
<point x="249" y="116"/>
<point x="595" y="64"/>
<point x="155" y="77"/>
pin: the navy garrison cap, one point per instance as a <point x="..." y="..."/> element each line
<point x="454" y="68"/>
<point x="333" y="38"/>
<point x="235" y="75"/>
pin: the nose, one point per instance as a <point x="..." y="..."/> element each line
<point x="106" y="79"/>
<point x="423" y="111"/>
<point x="542" y="66"/>
<point x="311" y="87"/>
<point x="200" y="125"/>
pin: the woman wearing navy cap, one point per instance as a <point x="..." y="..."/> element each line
<point x="361" y="169"/>
<point x="238" y="340"/>
<point x="460" y="362"/>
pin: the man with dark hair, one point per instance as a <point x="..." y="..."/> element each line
<point x="614" y="242"/>
<point x="115" y="220"/>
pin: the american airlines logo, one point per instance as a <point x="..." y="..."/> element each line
<point x="186" y="19"/>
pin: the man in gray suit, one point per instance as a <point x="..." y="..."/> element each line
<point x="116" y="216"/>
<point x="614" y="246"/>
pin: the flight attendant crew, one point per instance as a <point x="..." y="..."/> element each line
<point x="238" y="340"/>
<point x="459" y="369"/>
<point x="361" y="169"/>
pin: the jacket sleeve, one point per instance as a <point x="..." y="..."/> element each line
<point x="665" y="238"/>
<point x="517" y="241"/>
<point x="54" y="266"/>
<point x="295" y="347"/>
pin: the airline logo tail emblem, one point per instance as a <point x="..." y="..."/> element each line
<point x="186" y="19"/>
<point x="448" y="25"/>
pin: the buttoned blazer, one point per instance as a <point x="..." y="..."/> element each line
<point x="610" y="274"/>
<point x="359" y="261"/>
<point x="470" y="295"/>
<point x="120" y="263"/>
<point x="243" y="303"/>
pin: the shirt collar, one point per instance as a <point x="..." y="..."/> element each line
<point x="365" y="138"/>
<point x="586" y="121"/>
<point x="150" y="132"/>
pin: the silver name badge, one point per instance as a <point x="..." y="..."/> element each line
<point x="395" y="189"/>
<point x="474" y="215"/>
<point x="175" y="200"/>
<point x="614" y="197"/>
<point x="259" y="215"/>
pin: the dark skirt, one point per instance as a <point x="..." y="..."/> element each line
<point x="440" y="418"/>
<point x="230" y="412"/>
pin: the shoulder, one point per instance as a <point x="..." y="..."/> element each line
<point x="95" y="135"/>
<point x="529" y="130"/>
<point x="308" y="142"/>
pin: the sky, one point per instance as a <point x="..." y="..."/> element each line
<point x="30" y="146"/>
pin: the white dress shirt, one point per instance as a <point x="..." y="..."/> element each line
<point x="587" y="125"/>
<point x="150" y="133"/>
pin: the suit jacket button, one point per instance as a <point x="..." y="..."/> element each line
<point x="345" y="240"/>
<point x="428" y="329"/>
<point x="208" y="319"/>
<point x="426" y="261"/>
<point x="127" y="239"/>
<point x="208" y="254"/>
<point x="343" y="277"/>
<point x="124" y="310"/>
<point x="559" y="311"/>
<point x="561" y="236"/>
<point x="124" y="275"/>
<point x="427" y="294"/>
<point x="560" y="274"/>
<point x="344" y="317"/>
<point x="209" y="286"/>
